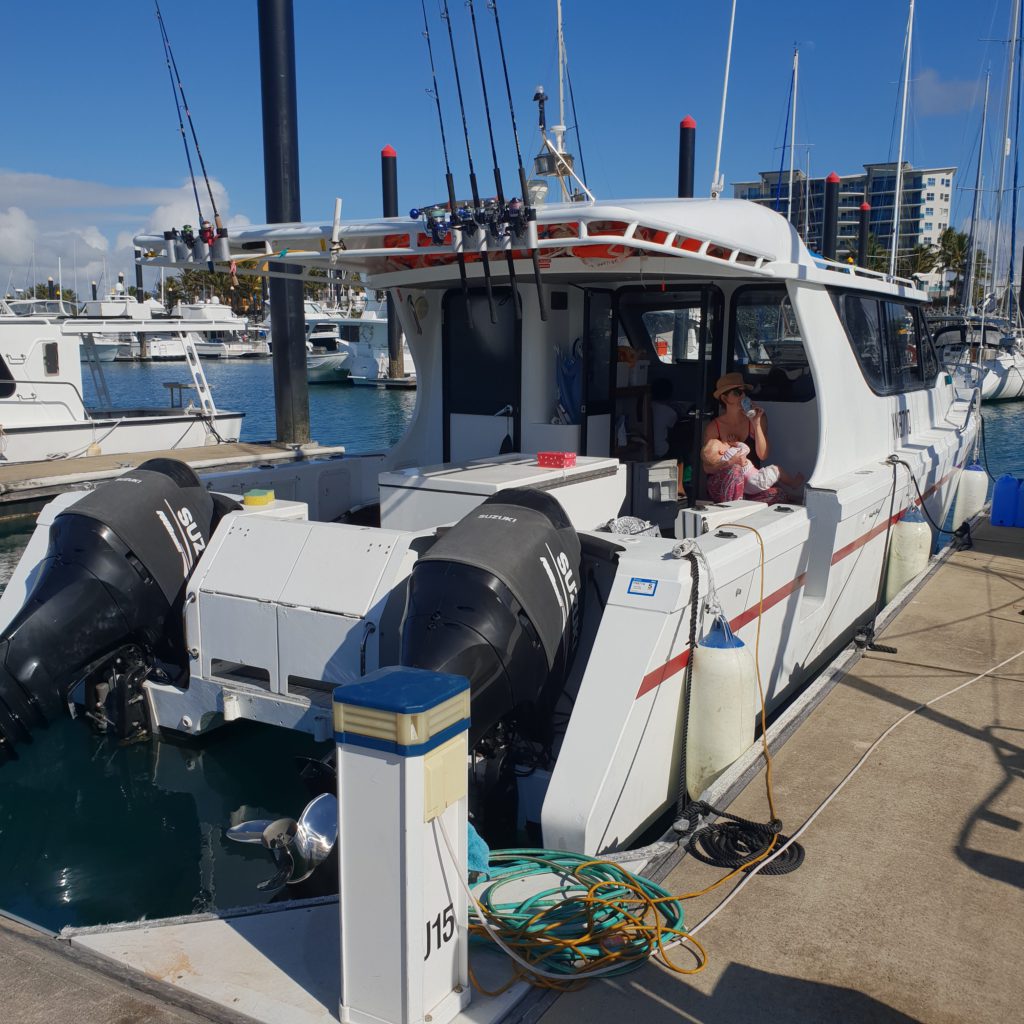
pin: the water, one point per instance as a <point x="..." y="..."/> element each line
<point x="363" y="419"/>
<point x="92" y="833"/>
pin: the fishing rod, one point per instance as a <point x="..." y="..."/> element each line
<point x="177" y="107"/>
<point x="470" y="226"/>
<point x="500" y="224"/>
<point x="529" y="214"/>
<point x="221" y="232"/>
<point x="449" y="180"/>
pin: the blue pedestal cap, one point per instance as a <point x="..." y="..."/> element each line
<point x="404" y="711"/>
<point x="400" y="690"/>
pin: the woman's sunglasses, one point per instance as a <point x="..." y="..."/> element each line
<point x="735" y="391"/>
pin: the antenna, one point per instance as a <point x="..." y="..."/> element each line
<point x="718" y="182"/>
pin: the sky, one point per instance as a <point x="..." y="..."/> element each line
<point x="91" y="154"/>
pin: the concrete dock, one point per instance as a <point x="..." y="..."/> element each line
<point x="910" y="903"/>
<point x="908" y="907"/>
<point x="25" y="486"/>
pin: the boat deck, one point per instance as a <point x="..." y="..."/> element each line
<point x="22" y="483"/>
<point x="909" y="906"/>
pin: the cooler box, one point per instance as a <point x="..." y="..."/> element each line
<point x="708" y="516"/>
<point x="423" y="497"/>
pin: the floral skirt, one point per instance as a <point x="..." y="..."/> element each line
<point x="727" y="485"/>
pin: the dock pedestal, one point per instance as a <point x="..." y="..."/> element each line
<point x="402" y="747"/>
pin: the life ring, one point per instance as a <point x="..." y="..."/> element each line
<point x="601" y="252"/>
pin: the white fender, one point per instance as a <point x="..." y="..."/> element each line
<point x="723" y="707"/>
<point x="909" y="550"/>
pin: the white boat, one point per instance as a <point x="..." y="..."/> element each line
<point x="43" y="414"/>
<point x="866" y="413"/>
<point x="325" y="360"/>
<point x="364" y="342"/>
<point x="220" y="333"/>
<point x="103" y="349"/>
<point x="984" y="352"/>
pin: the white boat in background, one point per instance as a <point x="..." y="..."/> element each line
<point x="364" y="342"/>
<point x="219" y="332"/>
<point x="43" y="413"/>
<point x="983" y="352"/>
<point x="104" y="349"/>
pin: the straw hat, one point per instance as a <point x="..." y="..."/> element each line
<point x="730" y="381"/>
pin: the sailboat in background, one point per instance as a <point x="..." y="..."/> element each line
<point x="984" y="347"/>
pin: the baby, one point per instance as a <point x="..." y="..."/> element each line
<point x="755" y="480"/>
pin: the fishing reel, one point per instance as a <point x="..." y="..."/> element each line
<point x="435" y="220"/>
<point x="467" y="221"/>
<point x="518" y="216"/>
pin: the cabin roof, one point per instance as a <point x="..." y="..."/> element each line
<point x="727" y="237"/>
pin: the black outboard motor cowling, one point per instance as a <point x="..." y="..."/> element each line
<point x="497" y="600"/>
<point x="110" y="589"/>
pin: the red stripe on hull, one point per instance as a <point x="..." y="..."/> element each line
<point x="657" y="676"/>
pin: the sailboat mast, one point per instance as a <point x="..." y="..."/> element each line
<point x="792" y="134"/>
<point x="717" y="183"/>
<point x="561" y="66"/>
<point x="898" y="195"/>
<point x="968" y="299"/>
<point x="1005" y="145"/>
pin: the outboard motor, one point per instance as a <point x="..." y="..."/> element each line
<point x="106" y="603"/>
<point x="497" y="599"/>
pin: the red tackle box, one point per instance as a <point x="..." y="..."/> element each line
<point x="556" y="460"/>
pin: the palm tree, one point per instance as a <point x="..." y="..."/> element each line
<point x="953" y="250"/>
<point x="921" y="260"/>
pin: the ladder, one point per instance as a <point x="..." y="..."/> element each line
<point x="206" y="403"/>
<point x="99" y="380"/>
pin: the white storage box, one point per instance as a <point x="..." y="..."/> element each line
<point x="420" y="498"/>
<point x="708" y="516"/>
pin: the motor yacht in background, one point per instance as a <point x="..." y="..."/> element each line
<point x="219" y="332"/>
<point x="44" y="416"/>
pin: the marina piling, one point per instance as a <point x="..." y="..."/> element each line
<point x="862" y="235"/>
<point x="49" y="288"/>
<point x="281" y="177"/>
<point x="687" y="148"/>
<point x="831" y="222"/>
<point x="389" y="188"/>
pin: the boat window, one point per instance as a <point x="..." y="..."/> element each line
<point x="349" y="332"/>
<point x="7" y="384"/>
<point x="890" y="341"/>
<point x="860" y="315"/>
<point x="949" y="336"/>
<point x="666" y="325"/>
<point x="904" y="345"/>
<point x="767" y="346"/>
<point x="599" y="351"/>
<point x="51" y="360"/>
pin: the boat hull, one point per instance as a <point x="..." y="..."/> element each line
<point x="118" y="433"/>
<point x="327" y="368"/>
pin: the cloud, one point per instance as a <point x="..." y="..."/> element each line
<point x="88" y="225"/>
<point x="934" y="97"/>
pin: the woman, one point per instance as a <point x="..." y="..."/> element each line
<point x="733" y="425"/>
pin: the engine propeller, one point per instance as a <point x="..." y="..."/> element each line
<point x="297" y="847"/>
